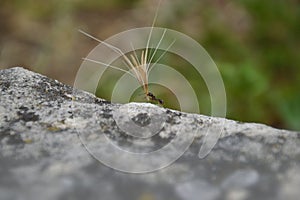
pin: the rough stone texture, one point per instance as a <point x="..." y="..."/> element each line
<point x="42" y="155"/>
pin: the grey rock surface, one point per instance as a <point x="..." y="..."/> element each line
<point x="51" y="146"/>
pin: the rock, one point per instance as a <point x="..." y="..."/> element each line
<point x="57" y="142"/>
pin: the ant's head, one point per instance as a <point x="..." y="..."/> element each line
<point x="160" y="101"/>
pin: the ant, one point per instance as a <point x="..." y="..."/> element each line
<point x="151" y="97"/>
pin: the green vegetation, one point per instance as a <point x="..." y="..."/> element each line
<point x="254" y="43"/>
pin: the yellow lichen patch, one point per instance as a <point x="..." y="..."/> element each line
<point x="28" y="140"/>
<point x="53" y="128"/>
<point x="146" y="196"/>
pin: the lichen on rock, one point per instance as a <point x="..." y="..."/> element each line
<point x="47" y="127"/>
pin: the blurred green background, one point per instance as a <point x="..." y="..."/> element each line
<point x="254" y="43"/>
